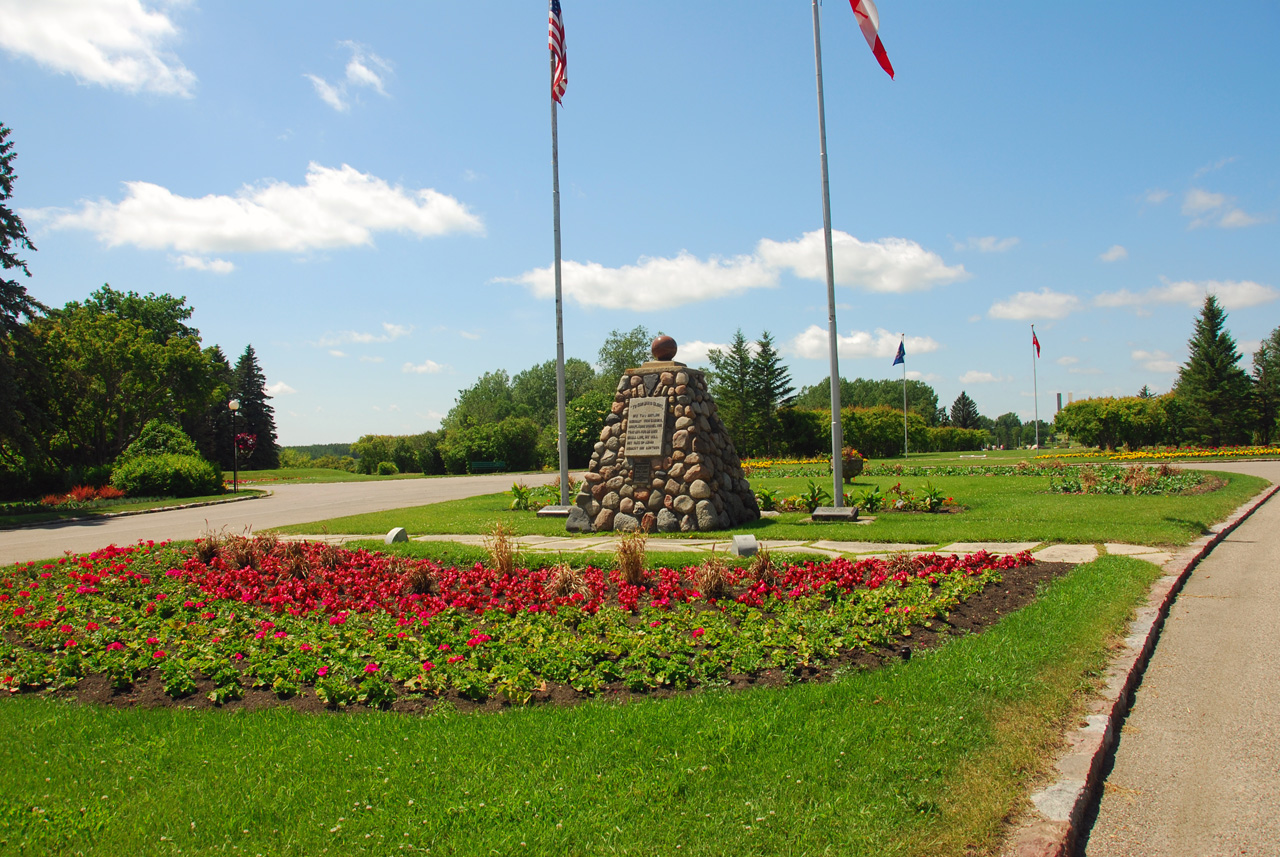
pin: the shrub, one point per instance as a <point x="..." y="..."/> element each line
<point x="291" y="459"/>
<point x="167" y="475"/>
<point x="159" y="438"/>
<point x="387" y="468"/>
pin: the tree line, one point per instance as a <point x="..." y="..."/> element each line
<point x="1214" y="401"/>
<point x="79" y="383"/>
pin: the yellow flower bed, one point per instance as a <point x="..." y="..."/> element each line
<point x="1178" y="452"/>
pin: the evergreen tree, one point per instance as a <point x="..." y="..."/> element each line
<point x="731" y="387"/>
<point x="255" y="416"/>
<point x="770" y="389"/>
<point x="19" y="416"/>
<point x="1211" y="383"/>
<point x="1266" y="385"/>
<point x="964" y="413"/>
<point x="1145" y="393"/>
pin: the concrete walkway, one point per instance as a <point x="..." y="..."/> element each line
<point x="1197" y="768"/>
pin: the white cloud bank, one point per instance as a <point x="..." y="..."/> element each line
<point x="1215" y="209"/>
<point x="988" y="244"/>
<point x="1155" y="361"/>
<point x="1231" y="294"/>
<point x="889" y="265"/>
<point x="365" y="69"/>
<point x="1026" y="306"/>
<point x="279" y="388"/>
<point x="390" y="332"/>
<point x="426" y="367"/>
<point x="1114" y="254"/>
<point x="813" y="344"/>
<point x="199" y="263"/>
<point x="336" y="207"/>
<point x="114" y="43"/>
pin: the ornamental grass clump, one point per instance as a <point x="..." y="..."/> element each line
<point x="630" y="557"/>
<point x="712" y="578"/>
<point x="502" y="548"/>
<point x="565" y="581"/>
<point x="762" y="569"/>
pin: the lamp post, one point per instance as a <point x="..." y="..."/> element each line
<point x="234" y="406"/>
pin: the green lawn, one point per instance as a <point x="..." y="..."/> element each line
<point x="126" y="505"/>
<point x="996" y="508"/>
<point x="927" y="757"/>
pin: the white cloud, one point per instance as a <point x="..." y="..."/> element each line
<point x="336" y="353"/>
<point x="114" y="43"/>
<point x="813" y="344"/>
<point x="1029" y="305"/>
<point x="923" y="376"/>
<point x="1067" y="361"/>
<point x="1231" y="294"/>
<point x="975" y="377"/>
<point x="1215" y="209"/>
<point x="365" y="69"/>
<point x="1114" y="254"/>
<point x="1214" y="167"/>
<point x="279" y="388"/>
<point x="199" y="263"/>
<point x="390" y="333"/>
<point x="1079" y="370"/>
<point x="1155" y="361"/>
<point x="427" y="367"/>
<point x="339" y="207"/>
<point x="1155" y="196"/>
<point x="651" y="283"/>
<point x="366" y="358"/>
<point x="887" y="265"/>
<point x="466" y="334"/>
<point x="697" y="352"/>
<point x="988" y="244"/>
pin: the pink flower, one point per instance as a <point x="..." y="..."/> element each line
<point x="304" y="648"/>
<point x="444" y="647"/>
<point x="427" y="666"/>
<point x="70" y="644"/>
<point x="322" y="672"/>
<point x="698" y="632"/>
<point x="65" y="629"/>
<point x="455" y="659"/>
<point x="280" y="634"/>
<point x="91" y="626"/>
<point x="115" y="647"/>
<point x="151" y="641"/>
<point x="237" y="657"/>
<point x="655" y="623"/>
<point x="159" y="654"/>
<point x="371" y="668"/>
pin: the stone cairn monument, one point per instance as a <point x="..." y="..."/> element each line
<point x="664" y="460"/>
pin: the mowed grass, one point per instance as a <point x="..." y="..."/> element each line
<point x="926" y="757"/>
<point x="996" y="508"/>
<point x="125" y="505"/>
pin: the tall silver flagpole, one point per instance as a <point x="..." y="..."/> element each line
<point x="1035" y="384"/>
<point x="561" y="420"/>
<point x="837" y="436"/>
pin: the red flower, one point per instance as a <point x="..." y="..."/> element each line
<point x="371" y="668"/>
<point x="427" y="666"/>
<point x="159" y="654"/>
<point x="322" y="672"/>
<point x="455" y="659"/>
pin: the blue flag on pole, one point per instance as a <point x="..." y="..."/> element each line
<point x="902" y="354"/>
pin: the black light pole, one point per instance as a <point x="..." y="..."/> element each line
<point x="234" y="405"/>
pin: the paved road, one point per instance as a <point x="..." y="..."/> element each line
<point x="290" y="504"/>
<point x="1197" y="770"/>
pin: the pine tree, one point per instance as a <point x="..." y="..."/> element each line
<point x="255" y="416"/>
<point x="1266" y="385"/>
<point x="731" y="388"/>
<point x="964" y="413"/>
<point x="1145" y="393"/>
<point x="18" y="373"/>
<point x="771" y="389"/>
<point x="1211" y="383"/>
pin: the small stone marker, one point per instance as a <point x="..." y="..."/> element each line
<point x="832" y="515"/>
<point x="554" y="511"/>
<point x="744" y="546"/>
<point x="399" y="534"/>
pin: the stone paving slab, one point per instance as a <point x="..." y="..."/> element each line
<point x="1067" y="553"/>
<point x="989" y="547"/>
<point x="1117" y="549"/>
<point x="872" y="547"/>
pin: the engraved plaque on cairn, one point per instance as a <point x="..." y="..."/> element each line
<point x="664" y="460"/>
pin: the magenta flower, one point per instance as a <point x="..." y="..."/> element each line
<point x="65" y="629"/>
<point x="237" y="657"/>
<point x="427" y="666"/>
<point x="304" y="647"/>
<point x="371" y="668"/>
<point x="322" y="672"/>
<point x="151" y="641"/>
<point x="698" y="632"/>
<point x="91" y="626"/>
<point x="455" y="659"/>
<point x="444" y="647"/>
<point x="115" y="647"/>
<point x="159" y="654"/>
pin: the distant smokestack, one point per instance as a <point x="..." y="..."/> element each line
<point x="1059" y="403"/>
<point x="1071" y="397"/>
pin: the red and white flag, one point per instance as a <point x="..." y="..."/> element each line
<point x="869" y="22"/>
<point x="555" y="40"/>
<point x="1035" y="341"/>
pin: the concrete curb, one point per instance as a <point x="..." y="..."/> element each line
<point x="266" y="492"/>
<point x="1052" y="828"/>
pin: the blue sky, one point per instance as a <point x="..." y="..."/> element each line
<point x="363" y="191"/>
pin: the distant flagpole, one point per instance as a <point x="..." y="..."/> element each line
<point x="1035" y="384"/>
<point x="901" y="357"/>
<point x="555" y="40"/>
<point x="837" y="435"/>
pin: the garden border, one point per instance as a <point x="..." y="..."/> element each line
<point x="1052" y="827"/>
<point x="266" y="492"/>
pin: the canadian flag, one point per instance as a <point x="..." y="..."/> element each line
<point x="869" y="22"/>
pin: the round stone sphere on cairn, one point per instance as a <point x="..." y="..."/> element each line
<point x="663" y="348"/>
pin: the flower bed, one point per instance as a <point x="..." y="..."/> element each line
<point x="1168" y="452"/>
<point x="360" y="627"/>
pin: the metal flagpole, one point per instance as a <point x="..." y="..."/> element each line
<point x="837" y="436"/>
<point x="560" y="393"/>
<point x="1035" y="385"/>
<point x="905" y="449"/>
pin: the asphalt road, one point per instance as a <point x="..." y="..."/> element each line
<point x="289" y="504"/>
<point x="1197" y="769"/>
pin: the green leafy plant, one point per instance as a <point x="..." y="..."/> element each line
<point x="769" y="499"/>
<point x="813" y="496"/>
<point x="872" y="500"/>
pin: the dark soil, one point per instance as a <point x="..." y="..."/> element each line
<point x="1018" y="588"/>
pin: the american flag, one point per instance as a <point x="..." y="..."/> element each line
<point x="555" y="40"/>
